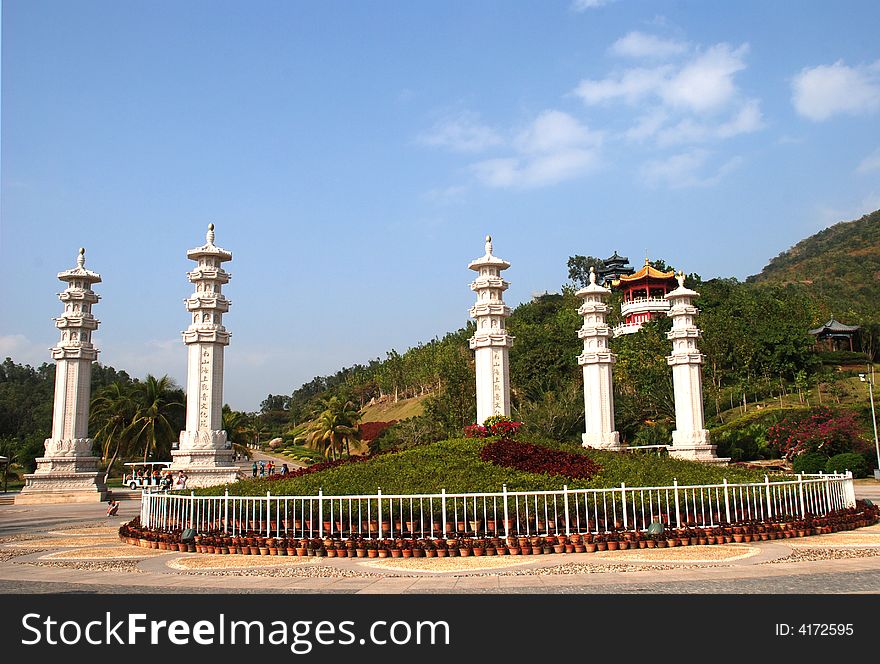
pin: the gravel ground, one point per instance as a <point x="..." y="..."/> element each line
<point x="10" y="553"/>
<point x="589" y="568"/>
<point x="309" y="571"/>
<point x="90" y="566"/>
<point x="812" y="554"/>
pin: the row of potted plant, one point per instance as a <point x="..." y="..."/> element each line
<point x="656" y="536"/>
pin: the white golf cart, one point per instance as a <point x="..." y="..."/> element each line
<point x="142" y="475"/>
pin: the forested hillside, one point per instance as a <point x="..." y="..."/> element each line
<point x="839" y="266"/>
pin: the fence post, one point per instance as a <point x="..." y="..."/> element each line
<point x="320" y="511"/>
<point x="677" y="508"/>
<point x="623" y="505"/>
<point x="268" y="507"/>
<point x="801" y="493"/>
<point x="443" y="509"/>
<point x="829" y="501"/>
<point x="379" y="513"/>
<point x="726" y="502"/>
<point x="567" y="523"/>
<point x="226" y="512"/>
<point x="850" y="490"/>
<point x="769" y="499"/>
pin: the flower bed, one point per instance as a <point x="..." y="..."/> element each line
<point x="539" y="459"/>
<point x="251" y="543"/>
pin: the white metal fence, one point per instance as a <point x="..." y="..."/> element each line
<point x="503" y="513"/>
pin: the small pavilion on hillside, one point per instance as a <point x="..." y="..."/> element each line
<point x="835" y="336"/>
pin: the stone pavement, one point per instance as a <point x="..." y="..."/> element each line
<point x="74" y="548"/>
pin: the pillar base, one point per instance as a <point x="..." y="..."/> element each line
<point x="602" y="441"/>
<point x="54" y="487"/>
<point x="205" y="467"/>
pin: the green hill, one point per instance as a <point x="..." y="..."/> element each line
<point x="838" y="266"/>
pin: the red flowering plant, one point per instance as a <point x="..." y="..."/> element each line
<point x="476" y="431"/>
<point x="823" y="430"/>
<point x="538" y="459"/>
<point x="496" y="425"/>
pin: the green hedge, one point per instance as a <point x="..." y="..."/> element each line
<point x="809" y="462"/>
<point x="455" y="465"/>
<point x="851" y="461"/>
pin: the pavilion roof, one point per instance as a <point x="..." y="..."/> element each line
<point x="835" y="327"/>
<point x="647" y="272"/>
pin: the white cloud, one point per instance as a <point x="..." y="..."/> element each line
<point x="23" y="351"/>
<point x="870" y="164"/>
<point x="554" y="130"/>
<point x="640" y="45"/>
<point x="687" y="169"/>
<point x="747" y="119"/>
<point x="630" y="86"/>
<point x="647" y="126"/>
<point x="821" y="92"/>
<point x="706" y="83"/>
<point x="553" y="148"/>
<point x="702" y="84"/>
<point x="540" y="171"/>
<point x="462" y="132"/>
<point x="584" y="5"/>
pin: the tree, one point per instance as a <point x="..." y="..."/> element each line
<point x="239" y="430"/>
<point x="153" y="427"/>
<point x="579" y="268"/>
<point x="333" y="430"/>
<point x="113" y="413"/>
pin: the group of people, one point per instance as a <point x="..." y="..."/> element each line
<point x="163" y="479"/>
<point x="262" y="468"/>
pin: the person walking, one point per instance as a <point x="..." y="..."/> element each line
<point x="254" y="469"/>
<point x="262" y="468"/>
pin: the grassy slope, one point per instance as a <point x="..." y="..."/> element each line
<point x="387" y="411"/>
<point x="840" y="265"/>
<point x="455" y="465"/>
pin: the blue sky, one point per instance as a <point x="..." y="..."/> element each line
<point x="353" y="155"/>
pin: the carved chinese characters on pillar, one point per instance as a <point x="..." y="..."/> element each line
<point x="497" y="384"/>
<point x="204" y="387"/>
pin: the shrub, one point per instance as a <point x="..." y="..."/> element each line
<point x="851" y="461"/>
<point x="822" y="430"/>
<point x="476" y="431"/>
<point x="809" y="462"/>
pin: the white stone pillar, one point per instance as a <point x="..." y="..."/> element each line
<point x="204" y="453"/>
<point x="596" y="362"/>
<point x="68" y="472"/>
<point x="491" y="342"/>
<point x="690" y="440"/>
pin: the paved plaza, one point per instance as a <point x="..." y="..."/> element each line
<point x="75" y="548"/>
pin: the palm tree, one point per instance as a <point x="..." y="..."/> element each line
<point x="239" y="430"/>
<point x="334" y="428"/>
<point x="113" y="411"/>
<point x="347" y="416"/>
<point x="156" y="408"/>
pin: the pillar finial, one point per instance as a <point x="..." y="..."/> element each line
<point x="592" y="275"/>
<point x="81" y="259"/>
<point x="680" y="278"/>
<point x="488" y="245"/>
<point x="210" y="235"/>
